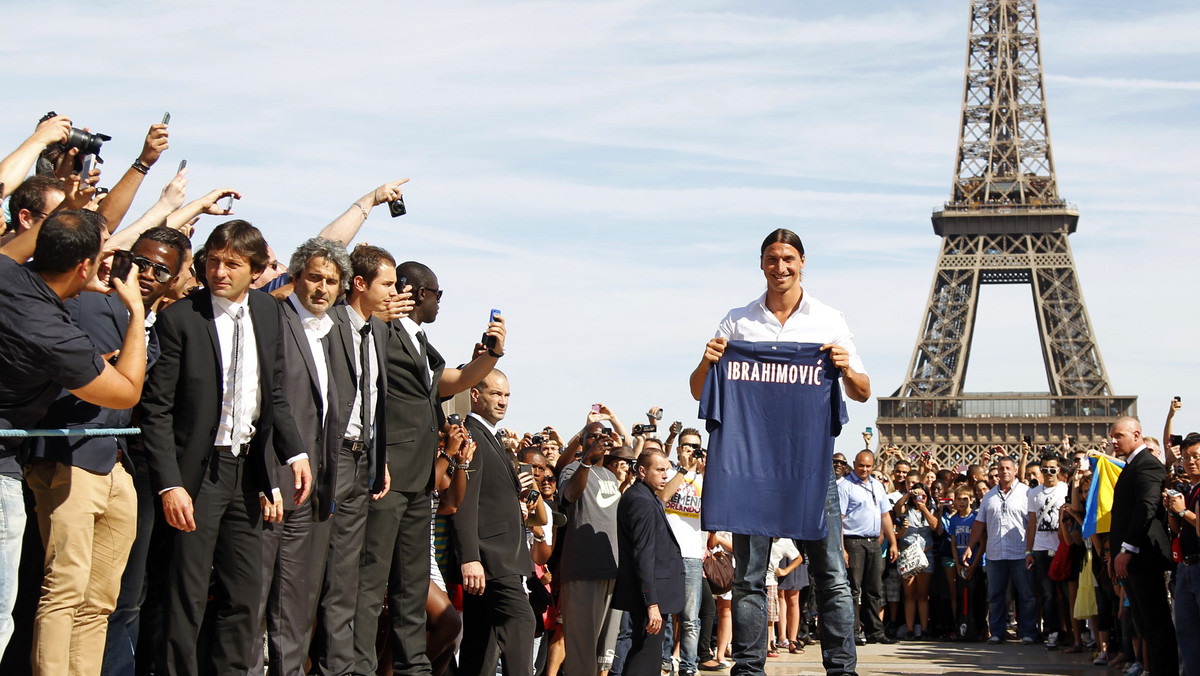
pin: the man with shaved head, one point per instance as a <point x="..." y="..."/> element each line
<point x="866" y="521"/>
<point x="1139" y="534"/>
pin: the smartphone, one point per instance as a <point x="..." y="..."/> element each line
<point x="400" y="283"/>
<point x="870" y="431"/>
<point x="595" y="408"/>
<point x="524" y="468"/>
<point x="1179" y="400"/>
<point x="227" y="203"/>
<point x="1173" y="493"/>
<point x="120" y="265"/>
<point x="454" y="419"/>
<point x="182" y="166"/>
<point x="1028" y="439"/>
<point x="166" y="118"/>
<point x="490" y="341"/>
<point x="396" y="207"/>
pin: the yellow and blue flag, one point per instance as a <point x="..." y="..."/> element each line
<point x="1105" y="472"/>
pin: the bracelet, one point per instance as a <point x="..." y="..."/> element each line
<point x="493" y="354"/>
<point x="361" y="208"/>
<point x="139" y="167"/>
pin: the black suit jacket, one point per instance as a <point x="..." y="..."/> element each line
<point x="345" y="377"/>
<point x="651" y="566"/>
<point x="105" y="319"/>
<point x="181" y="403"/>
<point x="302" y="386"/>
<point x="1138" y="516"/>
<point x="487" y="526"/>
<point x="414" y="412"/>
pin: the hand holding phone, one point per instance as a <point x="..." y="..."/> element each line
<point x="488" y="340"/>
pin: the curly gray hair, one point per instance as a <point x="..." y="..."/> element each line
<point x="319" y="247"/>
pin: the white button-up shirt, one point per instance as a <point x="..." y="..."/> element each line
<point x="354" y="426"/>
<point x="413" y="328"/>
<point x="316" y="328"/>
<point x="812" y="322"/>
<point x="1006" y="515"/>
<point x="223" y="316"/>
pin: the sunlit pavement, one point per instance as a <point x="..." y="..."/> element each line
<point x="928" y="657"/>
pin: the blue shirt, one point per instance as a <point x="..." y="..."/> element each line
<point x="772" y="412"/>
<point x="863" y="505"/>
<point x="959" y="528"/>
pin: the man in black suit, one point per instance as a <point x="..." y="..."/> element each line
<point x="212" y="411"/>
<point x="294" y="551"/>
<point x="1139" y="533"/>
<point x="650" y="577"/>
<point x="90" y="523"/>
<point x="395" y="554"/>
<point x="358" y="337"/>
<point x="489" y="542"/>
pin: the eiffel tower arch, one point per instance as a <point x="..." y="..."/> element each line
<point x="1004" y="224"/>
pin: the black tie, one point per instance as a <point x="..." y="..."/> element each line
<point x="500" y="438"/>
<point x="424" y="346"/>
<point x="364" y="382"/>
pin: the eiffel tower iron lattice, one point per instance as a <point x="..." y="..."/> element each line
<point x="1004" y="224"/>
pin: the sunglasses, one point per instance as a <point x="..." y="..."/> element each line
<point x="1050" y="470"/>
<point x="437" y="293"/>
<point x="693" y="447"/>
<point x="161" y="272"/>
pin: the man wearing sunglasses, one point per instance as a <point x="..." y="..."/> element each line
<point x="123" y="515"/>
<point x="1041" y="542"/>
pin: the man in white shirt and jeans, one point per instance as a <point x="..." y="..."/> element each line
<point x="1041" y="543"/>
<point x="682" y="497"/>
<point x="1001" y="525"/>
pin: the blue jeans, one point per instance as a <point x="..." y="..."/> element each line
<point x="998" y="575"/>
<point x="689" y="619"/>
<point x="12" y="530"/>
<point x="1187" y="615"/>
<point x="826" y="569"/>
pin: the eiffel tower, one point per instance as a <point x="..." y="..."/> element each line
<point x="1004" y="224"/>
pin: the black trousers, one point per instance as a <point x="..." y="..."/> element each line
<point x="395" y="558"/>
<point x="708" y="618"/>
<point x="499" y="622"/>
<point x="285" y="603"/>
<point x="866" y="581"/>
<point x="1152" y="617"/>
<point x="645" y="653"/>
<point x="226" y="547"/>
<point x="333" y="640"/>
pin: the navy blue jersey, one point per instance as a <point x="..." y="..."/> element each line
<point x="772" y="411"/>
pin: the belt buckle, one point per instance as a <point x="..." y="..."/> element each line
<point x="357" y="446"/>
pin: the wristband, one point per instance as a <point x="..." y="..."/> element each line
<point x="1028" y="553"/>
<point x="139" y="167"/>
<point x="362" y="209"/>
<point x="492" y="353"/>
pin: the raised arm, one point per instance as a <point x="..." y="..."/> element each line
<point x="116" y="204"/>
<point x="344" y="228"/>
<point x="169" y="200"/>
<point x="15" y="167"/>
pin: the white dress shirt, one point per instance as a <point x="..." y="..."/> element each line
<point x="316" y="328"/>
<point x="812" y="322"/>
<point x="413" y="328"/>
<point x="354" y="426"/>
<point x="224" y="311"/>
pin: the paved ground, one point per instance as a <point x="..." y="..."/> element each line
<point x="943" y="658"/>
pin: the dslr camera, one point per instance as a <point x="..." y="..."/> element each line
<point x="87" y="142"/>
<point x="644" y="429"/>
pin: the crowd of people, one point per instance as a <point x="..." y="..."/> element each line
<point x="267" y="469"/>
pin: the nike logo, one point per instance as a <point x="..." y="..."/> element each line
<point x="606" y="501"/>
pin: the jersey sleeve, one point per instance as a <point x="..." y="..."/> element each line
<point x="710" y="398"/>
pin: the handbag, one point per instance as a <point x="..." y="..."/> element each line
<point x="718" y="569"/>
<point x="1060" y="565"/>
<point x="912" y="560"/>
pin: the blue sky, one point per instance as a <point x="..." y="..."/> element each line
<point x="603" y="172"/>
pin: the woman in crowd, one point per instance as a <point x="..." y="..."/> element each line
<point x="917" y="527"/>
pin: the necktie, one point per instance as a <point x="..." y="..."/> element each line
<point x="500" y="437"/>
<point x="364" y="382"/>
<point x="235" y="427"/>
<point x="424" y="345"/>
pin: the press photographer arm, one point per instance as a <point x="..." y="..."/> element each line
<point x="15" y="167"/>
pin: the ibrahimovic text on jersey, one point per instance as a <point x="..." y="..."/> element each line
<point x="772" y="412"/>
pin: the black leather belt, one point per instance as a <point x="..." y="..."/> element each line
<point x="1191" y="560"/>
<point x="229" y="449"/>
<point x="354" y="446"/>
<point x="861" y="537"/>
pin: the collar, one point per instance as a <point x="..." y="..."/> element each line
<point x="411" y="327"/>
<point x="227" y="307"/>
<point x="492" y="429"/>
<point x="356" y="320"/>
<point x="1133" y="455"/>
<point x="317" y="326"/>
<point x="151" y="317"/>
<point x="804" y="308"/>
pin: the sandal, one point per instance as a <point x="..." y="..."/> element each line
<point x="772" y="652"/>
<point x="795" y="649"/>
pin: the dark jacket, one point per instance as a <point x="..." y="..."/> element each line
<point x="181" y="403"/>
<point x="651" y="567"/>
<point x="345" y="377"/>
<point x="104" y="318"/>
<point x="487" y="526"/>
<point x="414" y="412"/>
<point x="301" y="385"/>
<point x="1138" y="516"/>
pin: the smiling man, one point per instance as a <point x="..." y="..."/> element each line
<point x="787" y="313"/>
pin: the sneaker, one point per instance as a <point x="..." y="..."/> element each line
<point x="902" y="633"/>
<point x="1135" y="669"/>
<point x="1052" y="641"/>
<point x="995" y="640"/>
<point x="917" y="633"/>
<point x="860" y="639"/>
<point x="1028" y="640"/>
<point x="1101" y="659"/>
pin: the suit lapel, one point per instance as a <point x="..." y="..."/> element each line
<point x="296" y="329"/>
<point x="415" y="352"/>
<point x="342" y="322"/>
<point x="204" y="300"/>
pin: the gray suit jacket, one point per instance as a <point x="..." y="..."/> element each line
<point x="319" y="427"/>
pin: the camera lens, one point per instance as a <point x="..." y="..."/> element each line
<point x="87" y="142"/>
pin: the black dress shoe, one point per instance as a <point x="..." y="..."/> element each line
<point x="860" y="640"/>
<point x="883" y="639"/>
